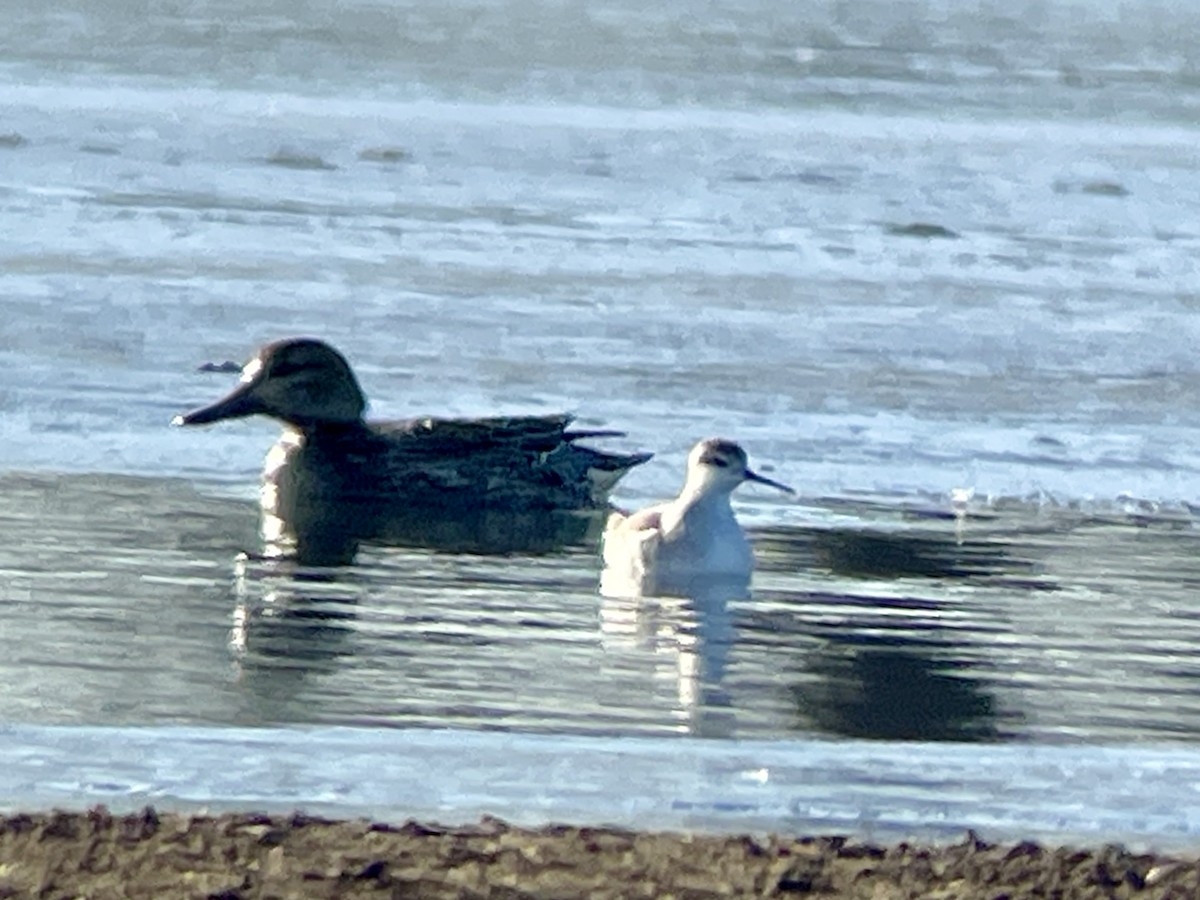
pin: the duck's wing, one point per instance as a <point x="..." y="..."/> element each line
<point x="530" y="457"/>
<point x="435" y="436"/>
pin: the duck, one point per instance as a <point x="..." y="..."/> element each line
<point x="333" y="480"/>
<point x="682" y="544"/>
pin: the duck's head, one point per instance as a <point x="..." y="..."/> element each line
<point x="716" y="464"/>
<point x="301" y="381"/>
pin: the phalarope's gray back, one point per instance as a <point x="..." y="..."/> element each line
<point x="487" y="485"/>
<point x="696" y="535"/>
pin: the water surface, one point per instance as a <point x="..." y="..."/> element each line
<point x="934" y="265"/>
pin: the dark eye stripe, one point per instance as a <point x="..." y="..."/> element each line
<point x="715" y="461"/>
<point x="286" y="367"/>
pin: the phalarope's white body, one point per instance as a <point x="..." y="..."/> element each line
<point x="670" y="545"/>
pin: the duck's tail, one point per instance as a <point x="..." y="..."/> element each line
<point x="604" y="470"/>
<point x="589" y="473"/>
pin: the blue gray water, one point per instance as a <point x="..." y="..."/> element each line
<point x="932" y="264"/>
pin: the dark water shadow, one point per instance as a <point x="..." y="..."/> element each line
<point x="908" y="661"/>
<point x="910" y="552"/>
<point x="899" y="689"/>
<point x="882" y="668"/>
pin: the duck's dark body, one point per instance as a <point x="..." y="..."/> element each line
<point x="484" y="485"/>
<point x="501" y="484"/>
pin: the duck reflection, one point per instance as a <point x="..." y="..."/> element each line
<point x="289" y="622"/>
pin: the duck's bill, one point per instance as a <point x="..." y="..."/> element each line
<point x="762" y="479"/>
<point x="239" y="403"/>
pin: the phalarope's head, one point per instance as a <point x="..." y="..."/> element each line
<point x="302" y="381"/>
<point x="718" y="464"/>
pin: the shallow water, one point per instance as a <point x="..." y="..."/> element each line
<point x="1046" y="626"/>
<point x="1085" y="795"/>
<point x="933" y="265"/>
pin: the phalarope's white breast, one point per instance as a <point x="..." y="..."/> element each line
<point x="696" y="535"/>
<point x="490" y="485"/>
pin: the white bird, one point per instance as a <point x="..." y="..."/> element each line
<point x="669" y="546"/>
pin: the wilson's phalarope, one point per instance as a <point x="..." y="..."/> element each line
<point x="694" y="536"/>
<point x="486" y="485"/>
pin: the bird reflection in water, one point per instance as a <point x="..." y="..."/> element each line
<point x="689" y="639"/>
<point x="289" y="623"/>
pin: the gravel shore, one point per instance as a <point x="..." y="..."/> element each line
<point x="99" y="855"/>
